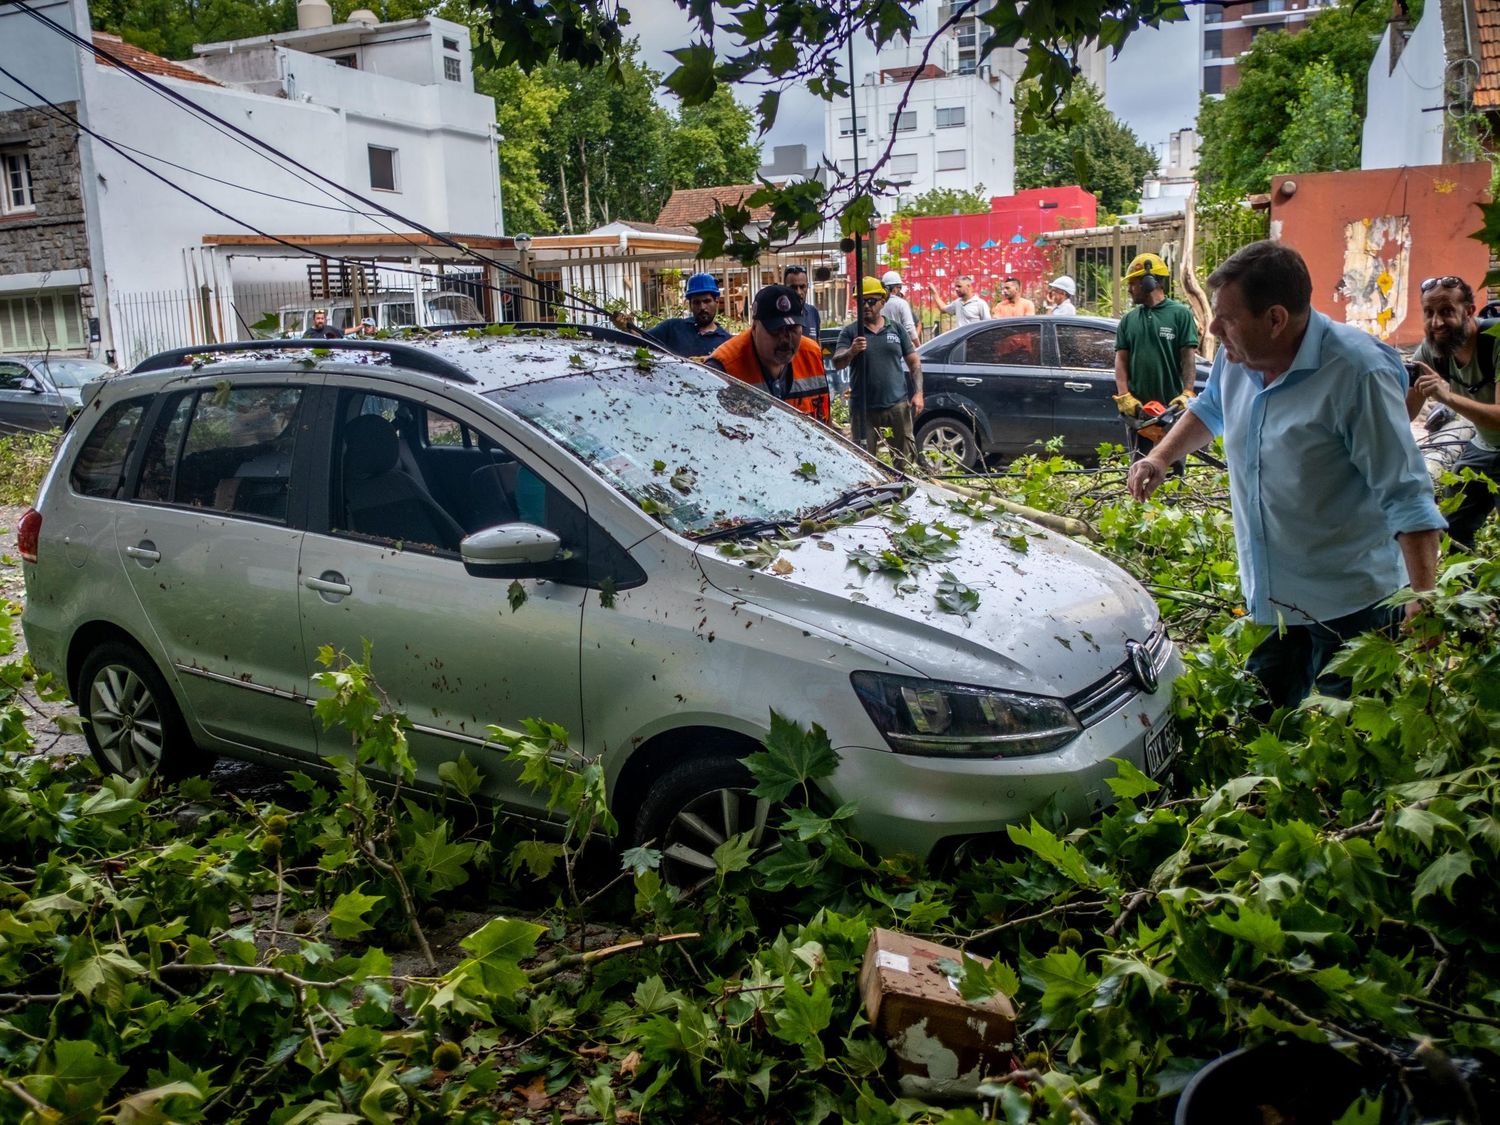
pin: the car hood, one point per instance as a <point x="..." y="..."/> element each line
<point x="1052" y="616"/>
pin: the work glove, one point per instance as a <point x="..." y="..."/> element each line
<point x="1181" y="401"/>
<point x="1128" y="405"/>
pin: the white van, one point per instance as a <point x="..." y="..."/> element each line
<point x="390" y="310"/>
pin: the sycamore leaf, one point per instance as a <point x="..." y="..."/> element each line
<point x="803" y="1018"/>
<point x="105" y="973"/>
<point x="1061" y="855"/>
<point x="792" y="758"/>
<point x="461" y="775"/>
<point x="536" y="857"/>
<point x="515" y="594"/>
<point x="1420" y="823"/>
<point x="1441" y="874"/>
<point x="1129" y="782"/>
<point x="734" y="854"/>
<point x="1251" y="926"/>
<point x="496" y="949"/>
<point x="347" y="918"/>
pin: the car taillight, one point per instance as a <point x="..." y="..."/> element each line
<point x="29" y="534"/>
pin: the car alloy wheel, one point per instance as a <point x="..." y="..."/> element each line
<point x="131" y="721"/>
<point x="946" y="444"/>
<point x="696" y="806"/>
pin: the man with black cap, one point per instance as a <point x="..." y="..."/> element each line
<point x="774" y="355"/>
<point x="698" y="334"/>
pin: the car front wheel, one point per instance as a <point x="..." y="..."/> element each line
<point x="693" y="808"/>
<point x="946" y="443"/>
<point x="130" y="719"/>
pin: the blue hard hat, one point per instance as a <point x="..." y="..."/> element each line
<point x="702" y="283"/>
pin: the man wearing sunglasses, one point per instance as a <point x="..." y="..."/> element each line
<point x="774" y="355"/>
<point x="882" y="395"/>
<point x="1455" y="367"/>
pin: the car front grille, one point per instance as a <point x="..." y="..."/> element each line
<point x="1104" y="696"/>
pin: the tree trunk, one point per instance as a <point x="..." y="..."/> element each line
<point x="583" y="170"/>
<point x="1197" y="300"/>
<point x="562" y="174"/>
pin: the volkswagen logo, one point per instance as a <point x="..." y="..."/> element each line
<point x="1141" y="665"/>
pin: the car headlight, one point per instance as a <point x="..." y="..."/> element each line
<point x="958" y="721"/>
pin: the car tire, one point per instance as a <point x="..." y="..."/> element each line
<point x="130" y="719"/>
<point x="943" y="441"/>
<point x="694" y="807"/>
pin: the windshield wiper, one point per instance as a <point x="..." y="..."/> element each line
<point x="870" y="494"/>
<point x="747" y="530"/>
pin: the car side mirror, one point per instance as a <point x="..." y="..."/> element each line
<point x="509" y="544"/>
<point x="32" y="384"/>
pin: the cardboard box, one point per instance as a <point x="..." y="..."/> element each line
<point x="942" y="1044"/>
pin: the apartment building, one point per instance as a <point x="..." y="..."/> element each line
<point x="1230" y="28"/>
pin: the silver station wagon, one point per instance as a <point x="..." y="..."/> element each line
<point x="649" y="553"/>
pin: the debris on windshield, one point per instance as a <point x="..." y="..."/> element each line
<point x="744" y="400"/>
<point x="515" y="593"/>
<point x="807" y="471"/>
<point x="684" y="479"/>
<point x="644" y="358"/>
<point x="733" y="433"/>
<point x="782" y="566"/>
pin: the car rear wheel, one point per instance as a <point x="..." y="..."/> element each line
<point x="945" y="443"/>
<point x="693" y="808"/>
<point x="131" y="721"/>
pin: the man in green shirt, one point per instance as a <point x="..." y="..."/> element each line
<point x="1455" y="366"/>
<point x="882" y="393"/>
<point x="1156" y="346"/>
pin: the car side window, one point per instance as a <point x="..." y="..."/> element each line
<point x="13" y="376"/>
<point x="229" y="450"/>
<point x="1078" y="345"/>
<point x="1011" y="345"/>
<point x="99" y="468"/>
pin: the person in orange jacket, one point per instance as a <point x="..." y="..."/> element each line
<point x="774" y="355"/>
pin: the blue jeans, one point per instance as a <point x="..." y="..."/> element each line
<point x="1290" y="662"/>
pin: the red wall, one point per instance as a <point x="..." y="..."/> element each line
<point x="1370" y="238"/>
<point x="929" y="274"/>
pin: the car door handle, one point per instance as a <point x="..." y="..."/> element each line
<point x="964" y="381"/>
<point x="145" y="551"/>
<point x="329" y="582"/>
<point x="1077" y="386"/>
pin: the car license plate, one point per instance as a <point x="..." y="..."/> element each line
<point x="1162" y="745"/>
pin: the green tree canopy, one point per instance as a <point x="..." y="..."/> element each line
<point x="1298" y="105"/>
<point x="1086" y="144"/>
<point x="947" y="201"/>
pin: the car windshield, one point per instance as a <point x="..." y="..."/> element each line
<point x="700" y="451"/>
<point x="76" y="372"/>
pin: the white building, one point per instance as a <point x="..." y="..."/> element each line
<point x="388" y="110"/>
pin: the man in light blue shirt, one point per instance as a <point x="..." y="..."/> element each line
<point x="1333" y="508"/>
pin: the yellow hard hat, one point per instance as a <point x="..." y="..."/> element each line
<point x="871" y="287"/>
<point x="1142" y="264"/>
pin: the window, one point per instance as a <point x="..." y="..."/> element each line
<point x="383" y="169"/>
<point x="231" y="452"/>
<point x="1213" y="79"/>
<point x="1078" y="346"/>
<point x="847" y="127"/>
<point x="1213" y="44"/>
<point x="99" y="469"/>
<point x="13" y="376"/>
<point x="1213" y="13"/>
<point x="846" y="167"/>
<point x="904" y="163"/>
<point x="452" y="69"/>
<point x="1018" y="345"/>
<point x="905" y="123"/>
<point x="351" y="61"/>
<point x="16" y="196"/>
<point x="450" y="44"/>
<point x="43" y="322"/>
<point x="950" y="117"/>
<point x="951" y="160"/>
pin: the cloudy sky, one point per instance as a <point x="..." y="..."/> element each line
<point x="1153" y="85"/>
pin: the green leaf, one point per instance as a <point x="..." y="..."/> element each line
<point x="1252" y="926"/>
<point x="103" y="975"/>
<point x="1129" y="782"/>
<point x="954" y="597"/>
<point x="1061" y="855"/>
<point x="1420" y="822"/>
<point x="515" y="594"/>
<point x="607" y="593"/>
<point x="1441" y="874"/>
<point x="693" y="81"/>
<point x="461" y="775"/>
<point x="734" y="854"/>
<point x="792" y="758"/>
<point x="347" y="918"/>
<point x="803" y="1017"/>
<point x="439" y="860"/>
<point x="536" y="857"/>
<point x="498" y="947"/>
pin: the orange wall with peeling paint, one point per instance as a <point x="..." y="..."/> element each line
<point x="1371" y="237"/>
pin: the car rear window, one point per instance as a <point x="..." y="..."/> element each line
<point x="99" y="468"/>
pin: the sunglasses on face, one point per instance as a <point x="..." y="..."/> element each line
<point x="872" y="300"/>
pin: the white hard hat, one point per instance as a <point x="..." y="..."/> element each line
<point x="891" y="278"/>
<point x="1065" y="283"/>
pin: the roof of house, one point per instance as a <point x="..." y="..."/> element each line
<point x="688" y="205"/>
<point x="1487" y="88"/>
<point x="133" y="56"/>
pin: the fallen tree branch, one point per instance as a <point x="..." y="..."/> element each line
<point x="589" y="956"/>
<point x="1067" y="525"/>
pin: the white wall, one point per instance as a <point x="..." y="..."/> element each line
<point x="987" y="136"/>
<point x="37" y="55"/>
<point x="1398" y="133"/>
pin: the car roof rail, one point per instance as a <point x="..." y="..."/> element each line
<point x="605" y="332"/>
<point x="407" y="355"/>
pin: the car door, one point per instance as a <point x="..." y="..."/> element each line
<point x="455" y="649"/>
<point x="1085" y="412"/>
<point x="28" y="404"/>
<point x="1002" y="369"/>
<point x="210" y="544"/>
